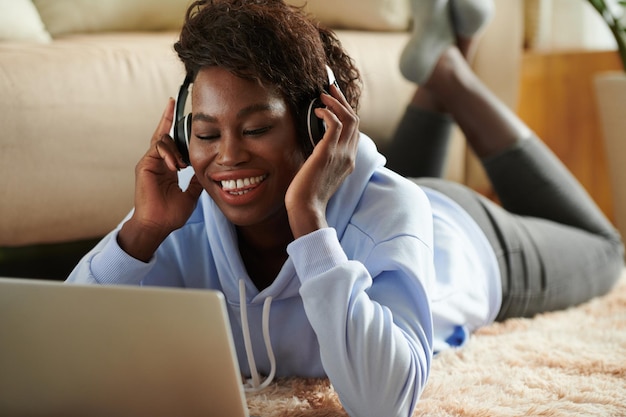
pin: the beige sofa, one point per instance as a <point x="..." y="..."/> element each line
<point x="83" y="83"/>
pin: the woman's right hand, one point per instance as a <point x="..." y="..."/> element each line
<point x="160" y="205"/>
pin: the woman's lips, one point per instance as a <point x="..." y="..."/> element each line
<point x="239" y="188"/>
<point x="241" y="185"/>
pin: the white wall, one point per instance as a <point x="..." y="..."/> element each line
<point x="569" y="24"/>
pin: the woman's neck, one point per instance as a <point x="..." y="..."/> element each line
<point x="263" y="249"/>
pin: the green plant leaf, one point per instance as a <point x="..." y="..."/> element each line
<point x="614" y="24"/>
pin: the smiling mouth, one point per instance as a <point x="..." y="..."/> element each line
<point x="242" y="185"/>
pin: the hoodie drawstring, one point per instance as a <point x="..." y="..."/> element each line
<point x="254" y="383"/>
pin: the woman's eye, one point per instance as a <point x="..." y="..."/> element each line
<point x="207" y="137"/>
<point x="257" y="132"/>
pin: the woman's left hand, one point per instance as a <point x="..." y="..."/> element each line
<point x="332" y="160"/>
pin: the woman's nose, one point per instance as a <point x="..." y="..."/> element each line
<point x="231" y="151"/>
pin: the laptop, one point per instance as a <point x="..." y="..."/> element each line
<point x="79" y="350"/>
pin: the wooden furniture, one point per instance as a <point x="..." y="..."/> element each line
<point x="557" y="100"/>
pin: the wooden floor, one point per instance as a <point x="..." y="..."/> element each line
<point x="557" y="100"/>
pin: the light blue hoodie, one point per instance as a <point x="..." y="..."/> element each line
<point x="353" y="302"/>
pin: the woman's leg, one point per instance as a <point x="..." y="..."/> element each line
<point x="528" y="179"/>
<point x="560" y="248"/>
<point x="420" y="144"/>
<point x="556" y="246"/>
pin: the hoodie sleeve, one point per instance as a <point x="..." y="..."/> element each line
<point x="107" y="263"/>
<point x="375" y="335"/>
<point x="176" y="263"/>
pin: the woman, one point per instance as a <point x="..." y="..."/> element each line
<point x="360" y="274"/>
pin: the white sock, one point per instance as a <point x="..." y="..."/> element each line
<point x="432" y="34"/>
<point x="470" y="16"/>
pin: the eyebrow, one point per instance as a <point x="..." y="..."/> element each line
<point x="246" y="111"/>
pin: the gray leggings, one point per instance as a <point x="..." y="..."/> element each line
<point x="554" y="246"/>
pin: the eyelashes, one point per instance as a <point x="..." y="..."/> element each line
<point x="248" y="132"/>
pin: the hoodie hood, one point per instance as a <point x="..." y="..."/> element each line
<point x="275" y="314"/>
<point x="344" y="202"/>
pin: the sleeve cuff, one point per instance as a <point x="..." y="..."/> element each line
<point x="316" y="253"/>
<point x="114" y="266"/>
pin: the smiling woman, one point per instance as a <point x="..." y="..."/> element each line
<point x="339" y="265"/>
<point x="243" y="130"/>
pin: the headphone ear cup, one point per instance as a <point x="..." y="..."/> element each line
<point x="182" y="122"/>
<point x="182" y="133"/>
<point x="315" y="126"/>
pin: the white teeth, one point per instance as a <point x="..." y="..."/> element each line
<point x="231" y="185"/>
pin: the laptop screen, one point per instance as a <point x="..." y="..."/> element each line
<point x="115" y="351"/>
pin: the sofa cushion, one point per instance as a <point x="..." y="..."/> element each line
<point x="74" y="128"/>
<point x="19" y="21"/>
<point x="76" y="16"/>
<point x="388" y="15"/>
<point x="79" y="16"/>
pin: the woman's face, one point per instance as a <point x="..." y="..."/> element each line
<point x="243" y="146"/>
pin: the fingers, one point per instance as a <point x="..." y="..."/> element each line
<point x="165" y="124"/>
<point x="336" y="92"/>
<point x="166" y="150"/>
<point x="341" y="120"/>
<point x="162" y="145"/>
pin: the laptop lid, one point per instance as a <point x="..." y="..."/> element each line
<point x="78" y="350"/>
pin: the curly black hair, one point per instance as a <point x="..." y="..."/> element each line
<point x="272" y="43"/>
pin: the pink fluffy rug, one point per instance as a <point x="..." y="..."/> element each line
<point x="567" y="363"/>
